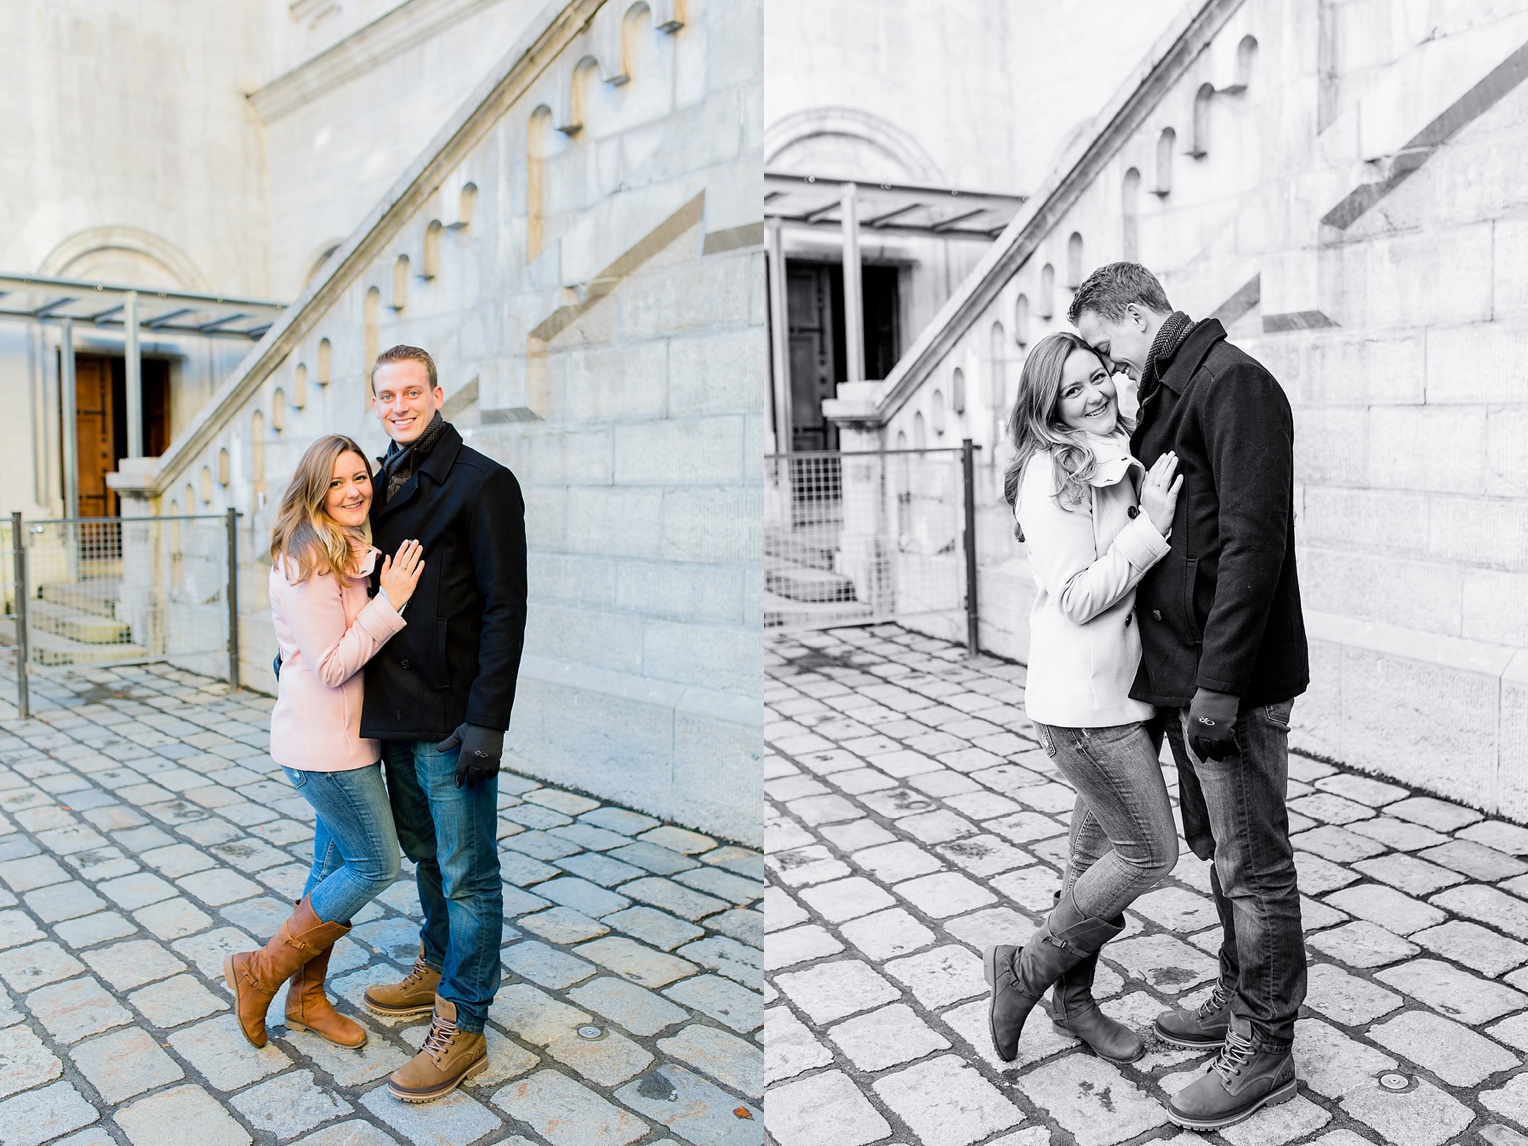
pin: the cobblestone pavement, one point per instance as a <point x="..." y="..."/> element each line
<point x="144" y="832"/>
<point x="912" y="819"/>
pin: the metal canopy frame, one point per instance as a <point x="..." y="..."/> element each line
<point x="41" y="299"/>
<point x="889" y="208"/>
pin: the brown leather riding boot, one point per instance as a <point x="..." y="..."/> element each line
<point x="415" y="995"/>
<point x="256" y="976"/>
<point x="449" y="1057"/>
<point x="309" y="1009"/>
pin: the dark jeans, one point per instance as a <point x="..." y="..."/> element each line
<point x="355" y="850"/>
<point x="450" y="834"/>
<point x="1234" y="814"/>
<point x="1122" y="838"/>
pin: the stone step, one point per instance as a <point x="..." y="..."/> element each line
<point x="77" y="625"/>
<point x="96" y="595"/>
<point x="805" y="583"/>
<point x="52" y="649"/>
<point x="783" y="612"/>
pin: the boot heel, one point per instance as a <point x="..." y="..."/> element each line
<point x="228" y="975"/>
<point x="989" y="965"/>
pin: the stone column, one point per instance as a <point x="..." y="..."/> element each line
<point x="865" y="541"/>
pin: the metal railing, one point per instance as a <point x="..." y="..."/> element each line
<point x="124" y="590"/>
<point x="860" y="538"/>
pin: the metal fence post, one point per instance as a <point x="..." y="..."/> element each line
<point x="968" y="474"/>
<point x="233" y="598"/>
<point x="19" y="553"/>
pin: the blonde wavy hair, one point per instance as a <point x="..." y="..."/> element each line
<point x="305" y="533"/>
<point x="1034" y="426"/>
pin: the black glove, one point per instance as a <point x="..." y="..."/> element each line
<point x="481" y="751"/>
<point x="1212" y="724"/>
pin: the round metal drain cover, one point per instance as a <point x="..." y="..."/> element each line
<point x="1393" y="1081"/>
<point x="591" y="1033"/>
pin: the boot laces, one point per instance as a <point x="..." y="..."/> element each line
<point x="1236" y="1053"/>
<point x="421" y="968"/>
<point x="438" y="1041"/>
<point x="1216" y="1002"/>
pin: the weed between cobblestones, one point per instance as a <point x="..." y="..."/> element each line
<point x="144" y="832"/>
<point x="911" y="819"/>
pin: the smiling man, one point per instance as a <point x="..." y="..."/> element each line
<point x="1223" y="655"/>
<point x="439" y="696"/>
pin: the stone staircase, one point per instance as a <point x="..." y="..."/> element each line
<point x="75" y="623"/>
<point x="801" y="587"/>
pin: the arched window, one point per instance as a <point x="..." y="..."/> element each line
<point x="278" y="410"/>
<point x="300" y="386"/>
<point x="257" y="456"/>
<point x="1021" y="320"/>
<point x="400" y="282"/>
<point x="1246" y="58"/>
<point x="997" y="391"/>
<point x="371" y="313"/>
<point x="224" y="468"/>
<point x="191" y="506"/>
<point x="920" y="435"/>
<point x="325" y="361"/>
<point x="466" y="202"/>
<point x="936" y="414"/>
<point x="206" y="485"/>
<point x="1074" y="261"/>
<point x="1131" y="209"/>
<point x="1047" y="306"/>
<point x="537" y="141"/>
<point x="1200" y="144"/>
<point x="431" y="266"/>
<point x="1167" y="142"/>
<point x="958" y="391"/>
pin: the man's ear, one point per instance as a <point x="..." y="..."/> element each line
<point x="1137" y="315"/>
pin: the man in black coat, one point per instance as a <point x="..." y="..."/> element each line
<point x="1223" y="655"/>
<point x="438" y="696"/>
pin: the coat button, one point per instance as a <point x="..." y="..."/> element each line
<point x="1128" y="618"/>
<point x="1134" y="511"/>
<point x="1156" y="614"/>
<point x="404" y="662"/>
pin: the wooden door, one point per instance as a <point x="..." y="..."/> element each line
<point x="812" y="305"/>
<point x="95" y="420"/>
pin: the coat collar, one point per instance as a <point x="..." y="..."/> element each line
<point x="437" y="463"/>
<point x="1193" y="352"/>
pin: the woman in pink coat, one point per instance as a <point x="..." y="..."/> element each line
<point x="327" y="628"/>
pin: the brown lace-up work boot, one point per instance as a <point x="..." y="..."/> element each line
<point x="415" y="995"/>
<point x="256" y="976"/>
<point x="449" y="1057"/>
<point x="308" y="1008"/>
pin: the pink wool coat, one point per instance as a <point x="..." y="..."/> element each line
<point x="327" y="629"/>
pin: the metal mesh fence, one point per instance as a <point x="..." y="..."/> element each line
<point x="855" y="538"/>
<point x="118" y="590"/>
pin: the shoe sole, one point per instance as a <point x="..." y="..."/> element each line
<point x="1186" y="1043"/>
<point x="989" y="972"/>
<point x="472" y="1071"/>
<point x="1272" y="1098"/>
<point x="398" y="1012"/>
<point x="294" y="1026"/>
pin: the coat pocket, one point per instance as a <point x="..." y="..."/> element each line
<point x="442" y="663"/>
<point x="1192" y="628"/>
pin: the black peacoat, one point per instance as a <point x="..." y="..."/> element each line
<point x="1222" y="610"/>
<point x="458" y="657"/>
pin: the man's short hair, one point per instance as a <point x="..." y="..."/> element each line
<point x="1114" y="286"/>
<point x="402" y="353"/>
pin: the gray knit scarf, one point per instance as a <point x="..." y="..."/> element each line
<point x="399" y="463"/>
<point x="1171" y="335"/>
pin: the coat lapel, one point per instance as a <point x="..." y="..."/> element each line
<point x="437" y="464"/>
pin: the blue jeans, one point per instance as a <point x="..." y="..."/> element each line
<point x="355" y="849"/>
<point x="1122" y="837"/>
<point x="451" y="834"/>
<point x="1234" y="814"/>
